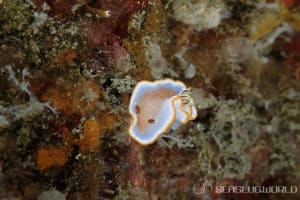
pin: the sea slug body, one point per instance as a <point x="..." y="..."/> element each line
<point x="157" y="106"/>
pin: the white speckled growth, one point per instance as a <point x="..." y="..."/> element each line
<point x="155" y="107"/>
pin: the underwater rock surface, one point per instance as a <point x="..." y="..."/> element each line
<point x="68" y="70"/>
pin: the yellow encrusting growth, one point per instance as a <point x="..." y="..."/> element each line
<point x="265" y="25"/>
<point x="268" y="22"/>
<point x="292" y="17"/>
<point x="81" y="99"/>
<point x="90" y="139"/>
<point x="51" y="157"/>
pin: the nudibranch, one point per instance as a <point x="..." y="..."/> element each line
<point x="156" y="107"/>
